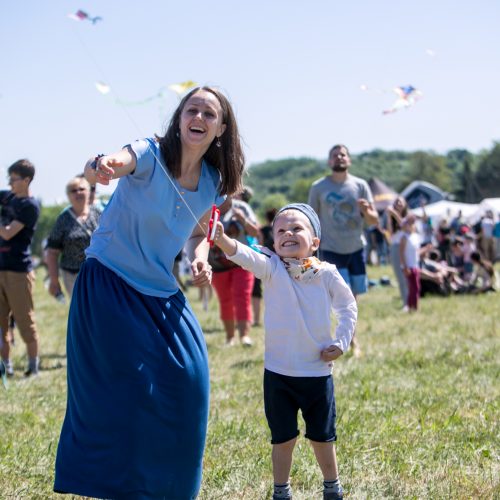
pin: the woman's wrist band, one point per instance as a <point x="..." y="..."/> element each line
<point x="93" y="165"/>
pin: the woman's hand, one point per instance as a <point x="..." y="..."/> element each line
<point x="331" y="353"/>
<point x="202" y="272"/>
<point x="102" y="169"/>
<point x="106" y="169"/>
<point x="54" y="288"/>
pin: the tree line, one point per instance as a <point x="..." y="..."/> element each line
<point x="466" y="176"/>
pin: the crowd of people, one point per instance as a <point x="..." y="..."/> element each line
<point x="138" y="379"/>
<point x="454" y="257"/>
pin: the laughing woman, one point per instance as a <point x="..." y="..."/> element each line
<point x="138" y="386"/>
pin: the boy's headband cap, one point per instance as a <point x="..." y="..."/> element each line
<point x="308" y="211"/>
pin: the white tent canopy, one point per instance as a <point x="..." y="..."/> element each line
<point x="448" y="210"/>
<point x="492" y="204"/>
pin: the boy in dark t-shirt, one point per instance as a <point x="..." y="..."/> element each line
<point x="19" y="213"/>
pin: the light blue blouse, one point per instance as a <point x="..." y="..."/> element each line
<point x="146" y="222"/>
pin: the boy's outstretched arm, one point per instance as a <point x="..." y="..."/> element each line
<point x="223" y="241"/>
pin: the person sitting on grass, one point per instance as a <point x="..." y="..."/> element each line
<point x="483" y="277"/>
<point x="299" y="293"/>
<point x="436" y="277"/>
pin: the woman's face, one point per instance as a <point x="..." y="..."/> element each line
<point x="201" y="120"/>
<point x="78" y="192"/>
<point x="398" y="204"/>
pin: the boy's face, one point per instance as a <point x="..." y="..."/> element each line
<point x="18" y="184"/>
<point x="293" y="235"/>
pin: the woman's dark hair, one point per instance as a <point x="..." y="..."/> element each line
<point x="271" y="214"/>
<point x="228" y="159"/>
<point x="403" y="213"/>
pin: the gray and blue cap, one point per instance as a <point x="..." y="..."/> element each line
<point x="308" y="211"/>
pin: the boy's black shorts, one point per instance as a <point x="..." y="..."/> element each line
<point x="314" y="396"/>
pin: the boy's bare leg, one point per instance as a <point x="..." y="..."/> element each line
<point x="282" y="461"/>
<point x="327" y="459"/>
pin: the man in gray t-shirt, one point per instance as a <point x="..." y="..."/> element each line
<point x="344" y="204"/>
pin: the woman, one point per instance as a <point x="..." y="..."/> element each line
<point x="70" y="236"/>
<point x="394" y="217"/>
<point x="233" y="284"/>
<point x="137" y="409"/>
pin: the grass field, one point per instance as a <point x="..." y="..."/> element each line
<point x="418" y="413"/>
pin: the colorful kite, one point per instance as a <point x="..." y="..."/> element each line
<point x="178" y="88"/>
<point x="407" y="97"/>
<point x="82" y="16"/>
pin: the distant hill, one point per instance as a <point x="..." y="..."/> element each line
<point x="292" y="177"/>
<point x="468" y="177"/>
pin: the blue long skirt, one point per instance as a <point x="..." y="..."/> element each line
<point x="138" y="390"/>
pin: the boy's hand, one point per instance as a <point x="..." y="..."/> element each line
<point x="331" y="353"/>
<point x="224" y="242"/>
<point x="219" y="232"/>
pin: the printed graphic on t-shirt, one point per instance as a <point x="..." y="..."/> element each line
<point x="345" y="212"/>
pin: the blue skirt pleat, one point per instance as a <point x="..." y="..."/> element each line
<point x="138" y="388"/>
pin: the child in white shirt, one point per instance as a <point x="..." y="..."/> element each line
<point x="409" y="249"/>
<point x="299" y="294"/>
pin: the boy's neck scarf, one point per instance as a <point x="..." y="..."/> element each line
<point x="306" y="269"/>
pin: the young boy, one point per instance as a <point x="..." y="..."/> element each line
<point x="299" y="294"/>
<point x="19" y="212"/>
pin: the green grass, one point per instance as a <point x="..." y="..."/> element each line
<point x="417" y="418"/>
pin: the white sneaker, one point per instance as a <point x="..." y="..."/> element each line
<point x="231" y="342"/>
<point x="246" y="341"/>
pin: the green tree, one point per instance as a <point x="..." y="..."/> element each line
<point x="46" y="221"/>
<point x="431" y="168"/>
<point x="276" y="200"/>
<point x="487" y="177"/>
<point x="300" y="190"/>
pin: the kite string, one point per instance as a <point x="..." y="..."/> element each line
<point x="134" y="123"/>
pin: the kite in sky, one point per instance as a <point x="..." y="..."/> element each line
<point x="178" y="88"/>
<point x="407" y="97"/>
<point x="82" y="16"/>
<point x="102" y="87"/>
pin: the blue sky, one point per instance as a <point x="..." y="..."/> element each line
<point x="292" y="69"/>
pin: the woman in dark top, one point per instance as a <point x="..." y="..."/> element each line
<point x="70" y="236"/>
